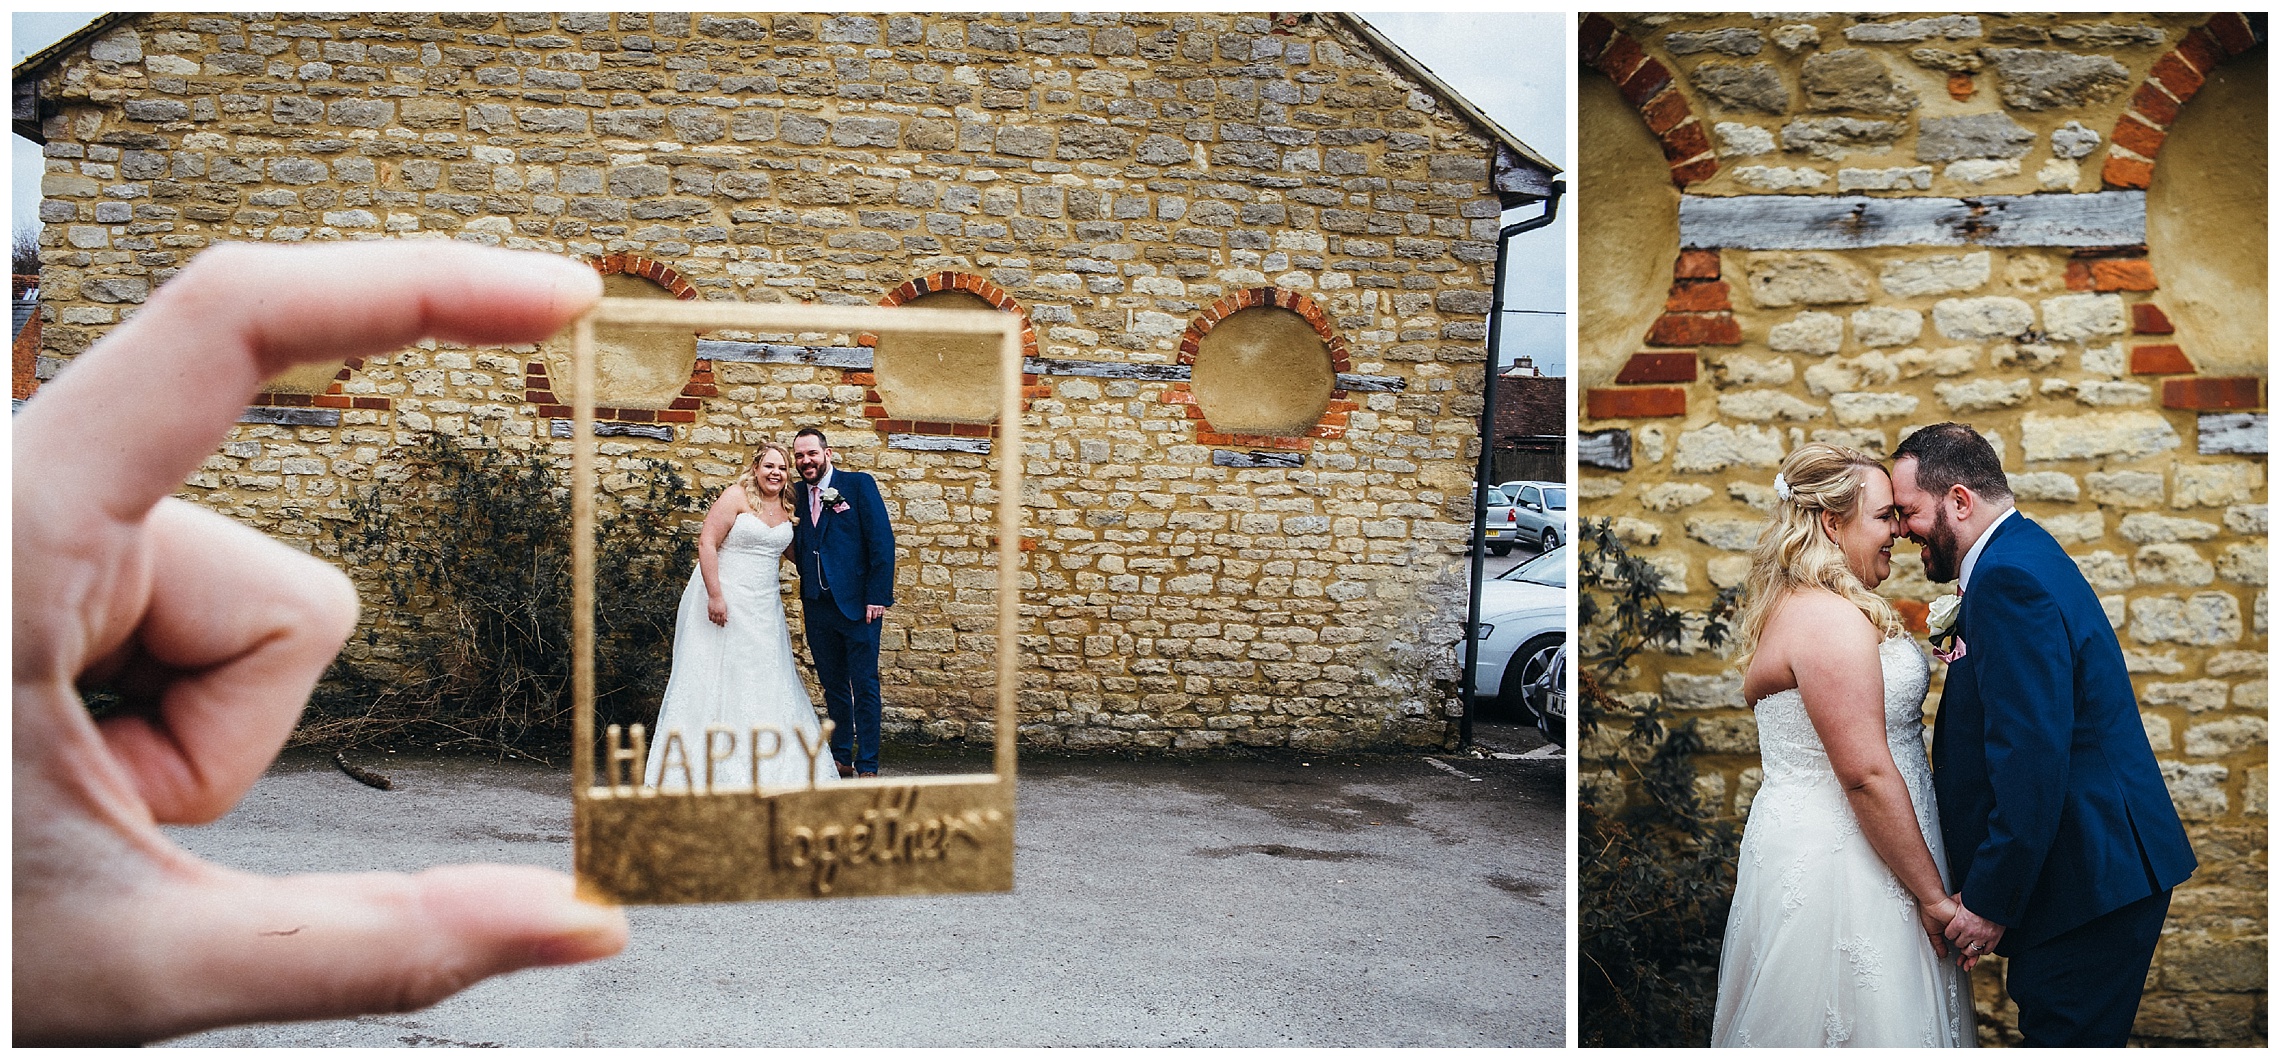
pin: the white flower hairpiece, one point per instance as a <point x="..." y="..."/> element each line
<point x="1781" y="487"/>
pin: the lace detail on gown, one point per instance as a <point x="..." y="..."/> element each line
<point x="1822" y="945"/>
<point x="740" y="675"/>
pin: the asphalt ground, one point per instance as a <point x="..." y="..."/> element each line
<point x="1276" y="900"/>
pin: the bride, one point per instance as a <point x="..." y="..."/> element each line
<point x="732" y="655"/>
<point x="1836" y="931"/>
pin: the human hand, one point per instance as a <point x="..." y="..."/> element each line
<point x="873" y="612"/>
<point x="1975" y="936"/>
<point x="214" y="634"/>
<point x="716" y="608"/>
<point x="1935" y="918"/>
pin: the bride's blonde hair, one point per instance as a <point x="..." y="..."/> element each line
<point x="1795" y="551"/>
<point x="749" y="481"/>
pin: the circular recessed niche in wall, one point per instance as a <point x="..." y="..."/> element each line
<point x="1263" y="370"/>
<point x="2205" y="220"/>
<point x="938" y="378"/>
<point x="634" y="367"/>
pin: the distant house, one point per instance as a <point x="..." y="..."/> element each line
<point x="1531" y="425"/>
<point x="24" y="330"/>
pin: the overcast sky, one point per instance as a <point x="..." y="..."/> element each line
<point x="1512" y="66"/>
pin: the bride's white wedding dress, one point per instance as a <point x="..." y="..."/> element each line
<point x="740" y="675"/>
<point x="1823" y="946"/>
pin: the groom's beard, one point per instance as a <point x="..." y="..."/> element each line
<point x="1943" y="553"/>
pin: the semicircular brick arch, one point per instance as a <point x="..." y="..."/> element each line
<point x="874" y="406"/>
<point x="2172" y="83"/>
<point x="2134" y="149"/>
<point x="538" y="387"/>
<point x="1332" y="423"/>
<point x="1651" y="87"/>
<point x="650" y="269"/>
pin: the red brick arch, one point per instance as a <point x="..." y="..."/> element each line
<point x="650" y="269"/>
<point x="538" y="389"/>
<point x="874" y="407"/>
<point x="1651" y="87"/>
<point x="1333" y="421"/>
<point x="2175" y="78"/>
<point x="2131" y="154"/>
<point x="333" y="398"/>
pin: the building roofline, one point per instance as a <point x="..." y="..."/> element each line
<point x="26" y="73"/>
<point x="1410" y="66"/>
<point x="36" y="64"/>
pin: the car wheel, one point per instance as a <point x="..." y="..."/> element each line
<point x="1526" y="670"/>
<point x="1551" y="540"/>
<point x="1500" y="549"/>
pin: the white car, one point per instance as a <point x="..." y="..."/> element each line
<point x="1523" y="624"/>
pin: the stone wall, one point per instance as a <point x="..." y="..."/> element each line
<point x="1124" y="181"/>
<point x="1887" y="221"/>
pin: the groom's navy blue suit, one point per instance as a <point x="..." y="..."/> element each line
<point x="2057" y="823"/>
<point x="846" y="560"/>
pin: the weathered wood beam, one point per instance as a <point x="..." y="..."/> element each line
<point x="290" y="417"/>
<point x="1609" y="449"/>
<point x="1226" y="458"/>
<point x="1833" y="222"/>
<point x="663" y="432"/>
<point x="935" y="443"/>
<point x="2245" y="433"/>
<point x="1162" y="373"/>
<point x="856" y="357"/>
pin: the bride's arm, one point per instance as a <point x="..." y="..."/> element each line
<point x="1842" y="683"/>
<point x="717" y="522"/>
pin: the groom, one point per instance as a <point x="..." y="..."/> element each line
<point x="846" y="557"/>
<point x="2059" y="831"/>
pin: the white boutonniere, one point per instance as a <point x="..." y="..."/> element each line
<point x="1946" y="645"/>
<point x="1943" y="613"/>
<point x="831" y="500"/>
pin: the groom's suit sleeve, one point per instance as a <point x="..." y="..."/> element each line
<point x="878" y="546"/>
<point x="2022" y="658"/>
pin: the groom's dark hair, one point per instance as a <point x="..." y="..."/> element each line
<point x="1952" y="454"/>
<point x="819" y="438"/>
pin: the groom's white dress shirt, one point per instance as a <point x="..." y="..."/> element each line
<point x="1971" y="558"/>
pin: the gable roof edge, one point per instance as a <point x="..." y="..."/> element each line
<point x="24" y="78"/>
<point x="1409" y="66"/>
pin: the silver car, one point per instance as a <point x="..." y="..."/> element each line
<point x="1523" y="626"/>
<point x="1539" y="513"/>
<point x="1502" y="527"/>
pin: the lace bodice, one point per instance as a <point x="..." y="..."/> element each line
<point x="754" y="549"/>
<point x="1791" y="750"/>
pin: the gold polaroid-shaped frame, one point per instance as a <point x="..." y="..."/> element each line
<point x="638" y="845"/>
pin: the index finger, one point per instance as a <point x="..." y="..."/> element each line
<point x="238" y="315"/>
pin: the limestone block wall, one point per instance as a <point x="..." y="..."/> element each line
<point x="1113" y="178"/>
<point x="1885" y="221"/>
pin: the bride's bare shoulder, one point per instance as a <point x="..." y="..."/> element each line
<point x="1819" y="618"/>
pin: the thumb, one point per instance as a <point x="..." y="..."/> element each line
<point x="259" y="949"/>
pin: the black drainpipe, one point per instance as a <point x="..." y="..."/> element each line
<point x="1481" y="474"/>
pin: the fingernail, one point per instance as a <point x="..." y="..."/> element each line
<point x="582" y="931"/>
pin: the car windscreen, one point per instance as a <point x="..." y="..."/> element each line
<point x="1556" y="499"/>
<point x="1547" y="569"/>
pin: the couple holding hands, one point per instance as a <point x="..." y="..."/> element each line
<point x="2039" y="829"/>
